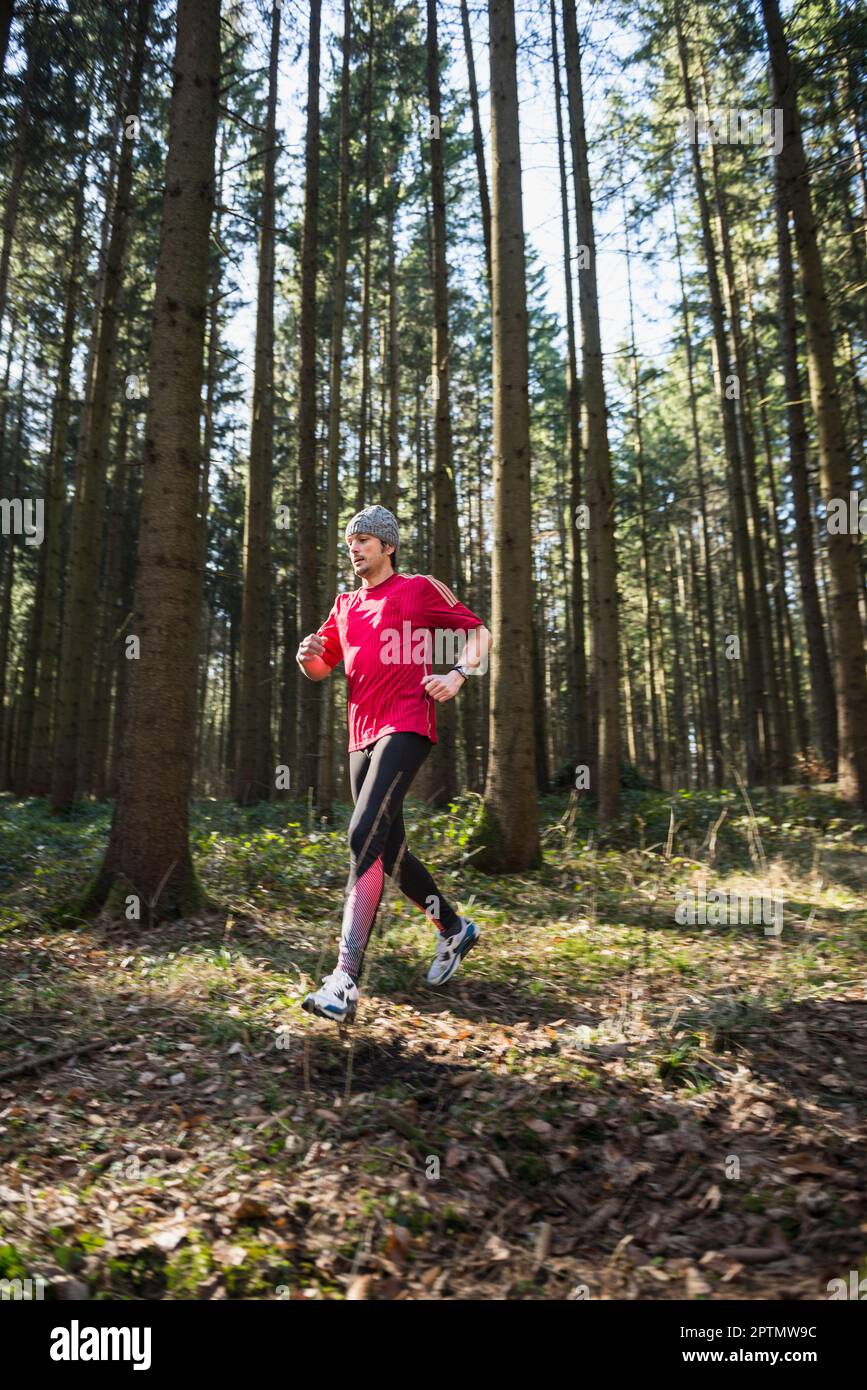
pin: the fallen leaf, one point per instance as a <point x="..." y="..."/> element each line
<point x="167" y="1237"/>
<point x="762" y="1110"/>
<point x="832" y="1082"/>
<point x="543" y="1242"/>
<point x="497" y="1248"/>
<point x="229" y="1256"/>
<point x="540" y="1126"/>
<point x="499" y="1166"/>
<point x="695" y="1284"/>
<point x="249" y="1209"/>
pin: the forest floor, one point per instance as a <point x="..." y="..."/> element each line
<point x="603" y="1103"/>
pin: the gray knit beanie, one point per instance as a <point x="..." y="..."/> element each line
<point x="375" y="521"/>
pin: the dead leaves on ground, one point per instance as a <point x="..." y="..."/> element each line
<point x="188" y="1162"/>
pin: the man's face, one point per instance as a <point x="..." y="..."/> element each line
<point x="366" y="553"/>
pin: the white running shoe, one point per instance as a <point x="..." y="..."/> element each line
<point x="451" y="951"/>
<point x="337" y="999"/>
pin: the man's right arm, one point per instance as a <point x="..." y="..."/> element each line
<point x="309" y="658"/>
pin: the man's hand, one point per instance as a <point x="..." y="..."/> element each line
<point x="309" y="658"/>
<point x="312" y="645"/>
<point x="442" y="688"/>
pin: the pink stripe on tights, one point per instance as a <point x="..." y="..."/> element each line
<point x="358" y="915"/>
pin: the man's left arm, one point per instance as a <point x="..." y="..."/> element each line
<point x="475" y="653"/>
<point x="474" y="658"/>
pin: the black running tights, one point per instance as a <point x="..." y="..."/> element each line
<point x="380" y="776"/>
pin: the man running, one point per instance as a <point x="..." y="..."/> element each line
<point x="382" y="632"/>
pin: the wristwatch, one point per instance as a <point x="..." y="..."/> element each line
<point x="462" y="669"/>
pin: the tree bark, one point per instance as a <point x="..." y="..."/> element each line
<point x="21" y="149"/>
<point x="510" y="829"/>
<point x="254" y="770"/>
<point x="605" y="772"/>
<point x="149" y="853"/>
<point x="84" y="549"/>
<point x="478" y="142"/>
<point x="39" y="774"/>
<point x="641" y="475"/>
<point x="442" y="763"/>
<point x="308" y="502"/>
<point x="824" y="704"/>
<point x="9" y="555"/>
<point x="210" y="411"/>
<point x="94" y="763"/>
<point x="712" y="692"/>
<point x="577" y="664"/>
<point x="362" y="482"/>
<point x="850" y="674"/>
<point x="777" y="761"/>
<point x="754" y="709"/>
<point x="332" y="477"/>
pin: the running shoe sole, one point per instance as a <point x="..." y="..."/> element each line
<point x="464" y="951"/>
<point x="310" y="1006"/>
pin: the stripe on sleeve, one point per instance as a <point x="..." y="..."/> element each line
<point x="443" y="589"/>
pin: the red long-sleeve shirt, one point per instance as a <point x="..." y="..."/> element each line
<point x="382" y="635"/>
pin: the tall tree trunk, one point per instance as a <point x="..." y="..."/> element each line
<point x="705" y="758"/>
<point x="254" y="770"/>
<point x="577" y="666"/>
<point x="540" y="722"/>
<point x="7" y="588"/>
<point x="361" y="499"/>
<point x="392" y="489"/>
<point x="782" y="613"/>
<point x="600" y="492"/>
<point x="210" y="408"/>
<point x="84" y="549"/>
<point x="510" y="830"/>
<point x="332" y="477"/>
<point x="149" y="851"/>
<point x="680" y="745"/>
<point x="641" y="474"/>
<point x="4" y="397"/>
<point x="125" y="608"/>
<point x="471" y="703"/>
<point x="442" y="776"/>
<point x="633" y="744"/>
<point x="39" y="777"/>
<point x="478" y="142"/>
<point x="778" y="759"/>
<point x="483" y="600"/>
<point x="850" y="673"/>
<point x="308" y="501"/>
<point x="824" y="712"/>
<point x="21" y="150"/>
<point x="19" y="757"/>
<point x="712" y="694"/>
<point x="111" y="622"/>
<point x="289" y="681"/>
<point x="383" y="397"/>
<point x="754" y="707"/>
